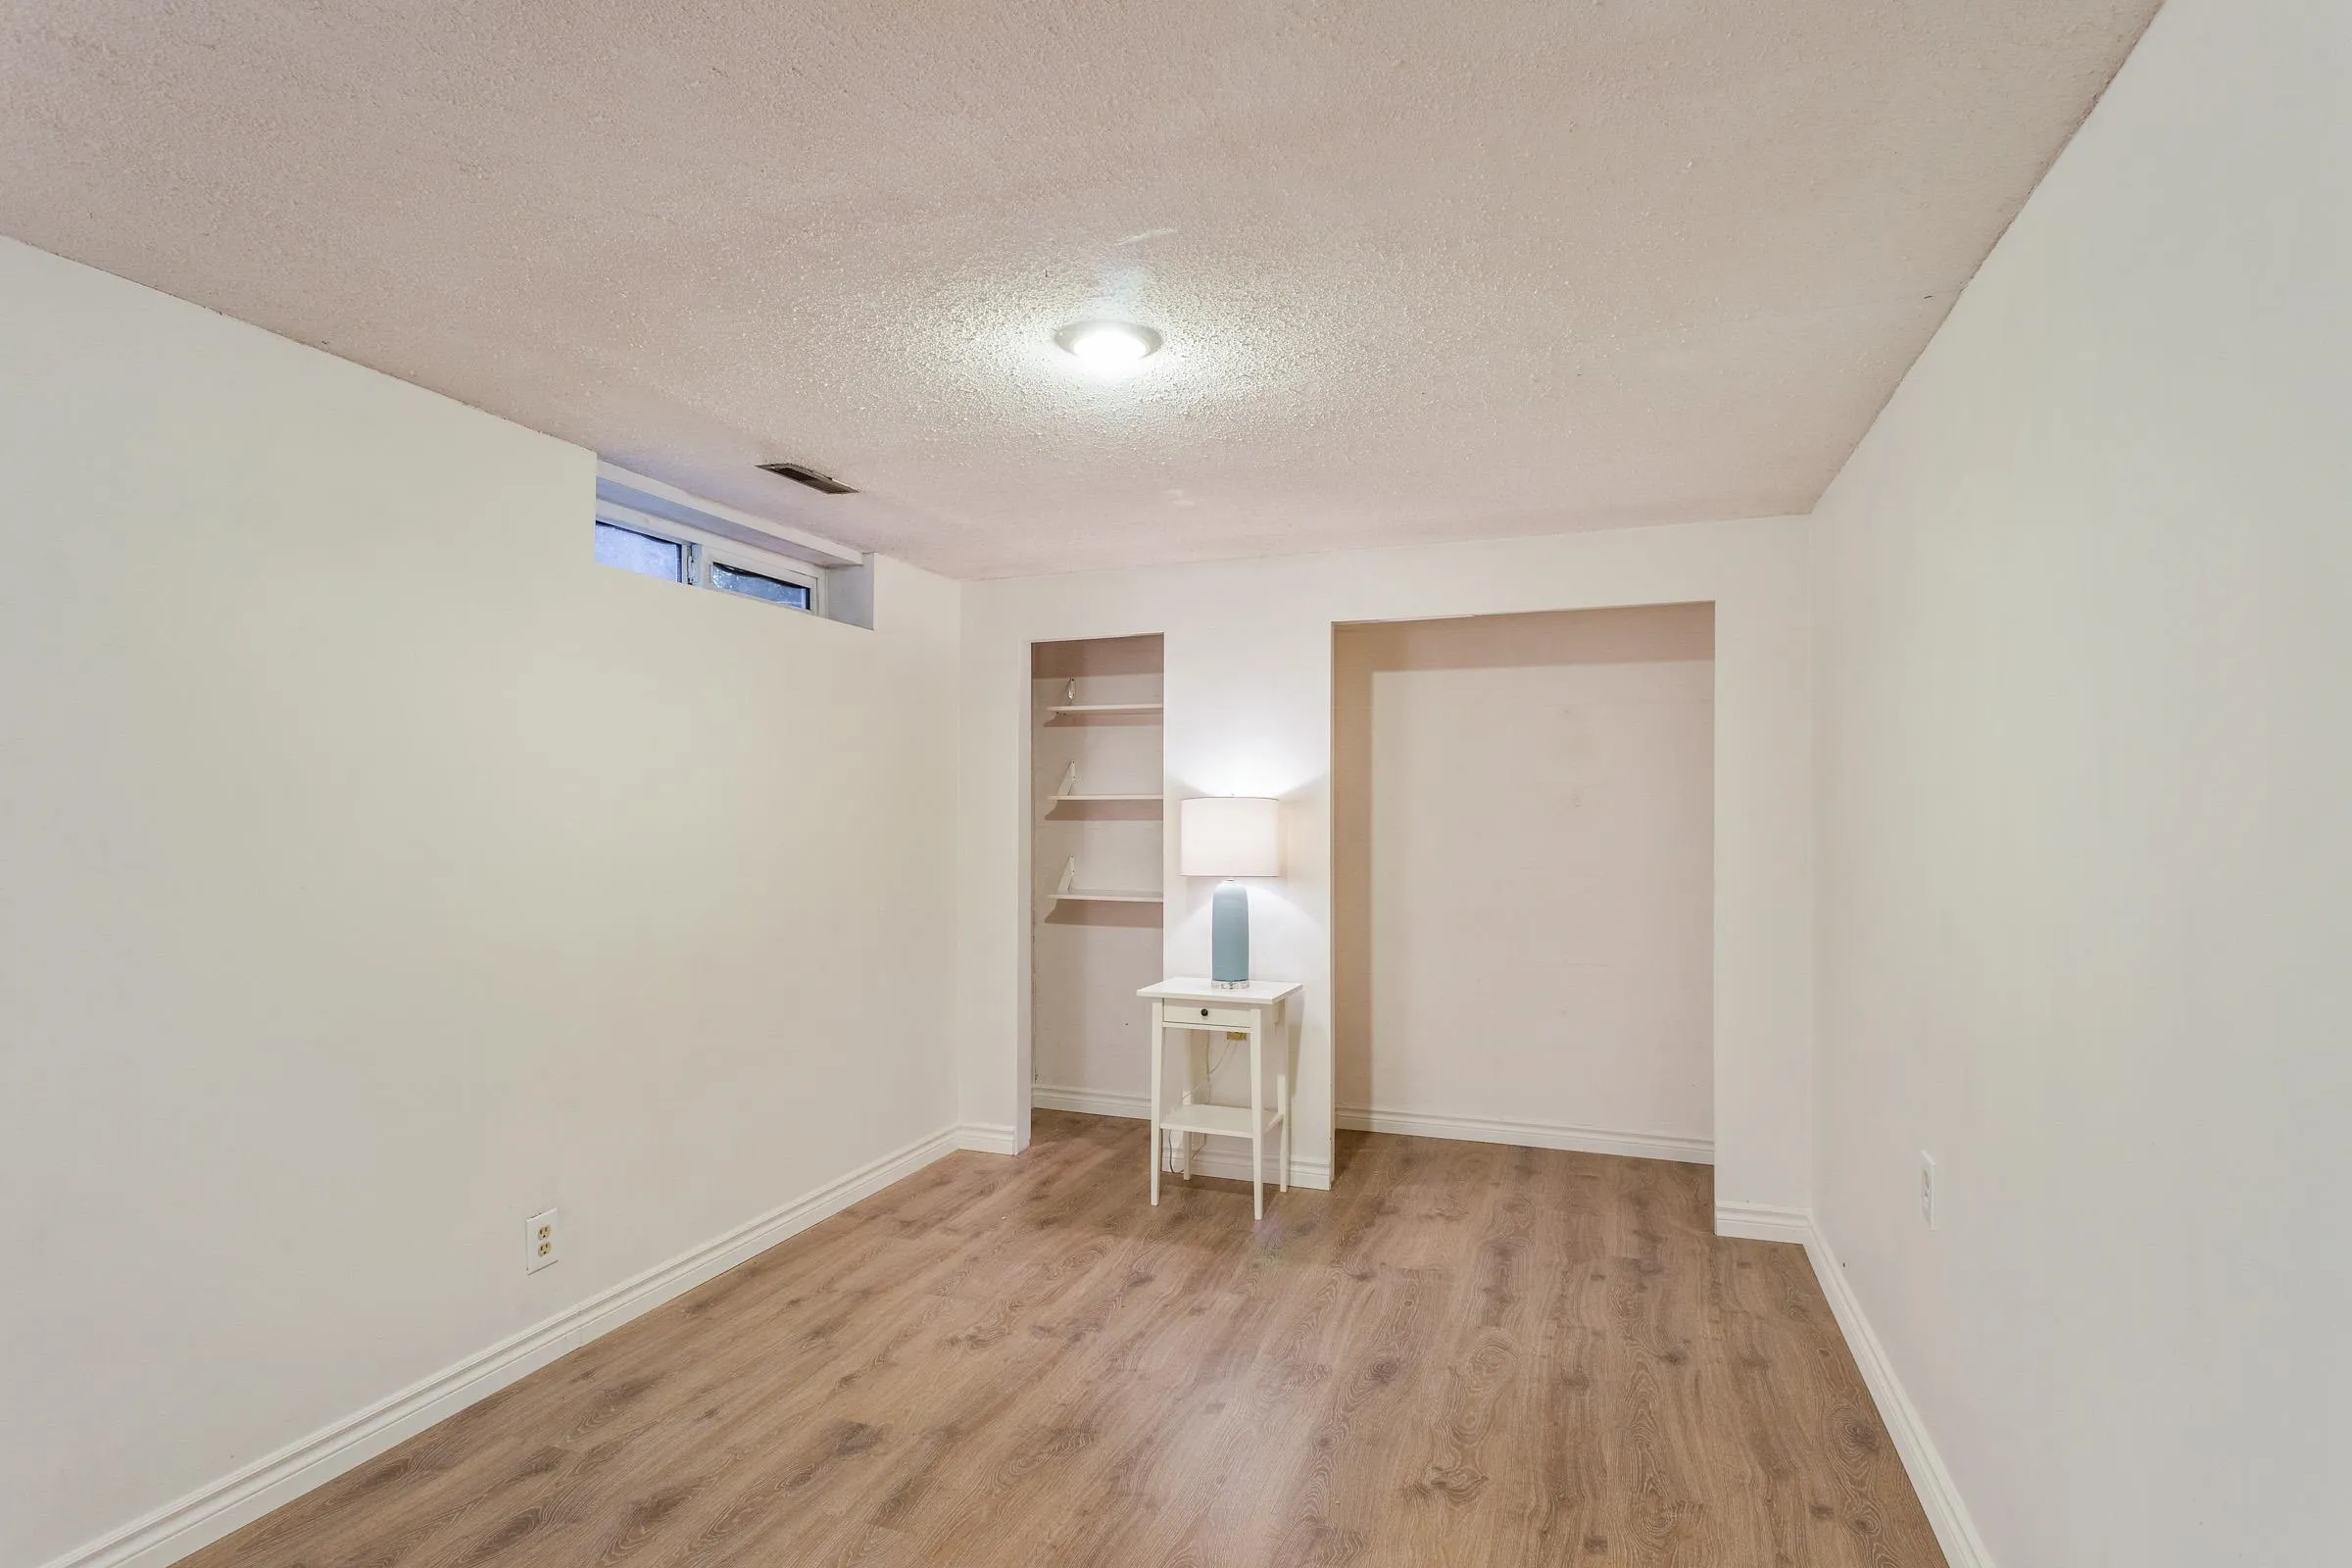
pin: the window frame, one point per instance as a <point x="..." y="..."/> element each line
<point x="686" y="549"/>
<point x="807" y="582"/>
<point x="703" y="550"/>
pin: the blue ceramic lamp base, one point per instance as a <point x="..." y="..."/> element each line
<point x="1229" y="937"/>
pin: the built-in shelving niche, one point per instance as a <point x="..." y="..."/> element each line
<point x="1097" y="815"/>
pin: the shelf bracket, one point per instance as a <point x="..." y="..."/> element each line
<point x="1069" y="783"/>
<point x="1069" y="877"/>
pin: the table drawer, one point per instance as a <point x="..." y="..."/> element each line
<point x="1196" y="1016"/>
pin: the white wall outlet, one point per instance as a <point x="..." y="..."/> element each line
<point x="1927" y="1188"/>
<point x="541" y="1242"/>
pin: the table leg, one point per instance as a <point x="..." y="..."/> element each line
<point x="1157" y="1082"/>
<point x="1282" y="1104"/>
<point x="1257" y="1116"/>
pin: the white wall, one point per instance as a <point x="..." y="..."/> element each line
<point x="376" y="870"/>
<point x="2085" y="673"/>
<point x="1249" y="656"/>
<point x="1524" y="878"/>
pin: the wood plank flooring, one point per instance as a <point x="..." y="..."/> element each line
<point x="1465" y="1354"/>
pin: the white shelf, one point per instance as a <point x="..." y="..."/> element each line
<point x="1090" y="709"/>
<point x="1222" y="1121"/>
<point x="1068" y="889"/>
<point x="1071" y="794"/>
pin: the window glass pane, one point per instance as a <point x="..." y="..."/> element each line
<point x="640" y="553"/>
<point x="750" y="584"/>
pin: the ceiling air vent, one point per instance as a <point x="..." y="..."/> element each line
<point x="801" y="473"/>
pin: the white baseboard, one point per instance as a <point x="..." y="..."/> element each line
<point x="1527" y="1134"/>
<point x="1233" y="1164"/>
<point x="1761" y="1222"/>
<point x="985" y="1138"/>
<point x="212" y="1511"/>
<point x="1218" y="1158"/>
<point x="1954" y="1530"/>
<point x="1090" y="1101"/>
<point x="1473" y="1129"/>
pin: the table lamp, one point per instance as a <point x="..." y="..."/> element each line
<point x="1229" y="836"/>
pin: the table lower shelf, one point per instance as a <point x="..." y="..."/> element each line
<point x="1231" y="1121"/>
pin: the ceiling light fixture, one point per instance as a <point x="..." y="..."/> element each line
<point x="1107" y="343"/>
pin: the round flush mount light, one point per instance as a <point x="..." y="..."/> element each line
<point x="1107" y="343"/>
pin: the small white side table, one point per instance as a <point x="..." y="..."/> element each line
<point x="1256" y="1009"/>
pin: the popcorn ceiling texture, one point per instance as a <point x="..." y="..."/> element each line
<point x="1439" y="270"/>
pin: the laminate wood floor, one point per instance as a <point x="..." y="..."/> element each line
<point x="1464" y="1354"/>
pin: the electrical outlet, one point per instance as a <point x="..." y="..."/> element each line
<point x="540" y="1242"/>
<point x="1927" y="1188"/>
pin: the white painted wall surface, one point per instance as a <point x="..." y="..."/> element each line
<point x="1524" y="877"/>
<point x="376" y="870"/>
<point x="2085" y="670"/>
<point x="1250" y="712"/>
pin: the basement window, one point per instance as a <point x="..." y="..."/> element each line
<point x="645" y="553"/>
<point x="758" y="585"/>
<point x="656" y="530"/>
<point x="653" y="548"/>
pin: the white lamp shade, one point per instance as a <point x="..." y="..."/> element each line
<point x="1230" y="835"/>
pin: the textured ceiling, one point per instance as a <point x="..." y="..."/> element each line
<point x="1440" y="270"/>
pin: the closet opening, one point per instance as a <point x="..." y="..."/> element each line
<point x="1097" y="870"/>
<point x="1523" y="879"/>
